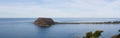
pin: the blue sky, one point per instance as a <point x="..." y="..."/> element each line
<point x="60" y="8"/>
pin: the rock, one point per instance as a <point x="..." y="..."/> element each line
<point x="44" y="22"/>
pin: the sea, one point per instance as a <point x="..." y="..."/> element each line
<point x="24" y="28"/>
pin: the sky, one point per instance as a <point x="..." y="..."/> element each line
<point x="60" y="8"/>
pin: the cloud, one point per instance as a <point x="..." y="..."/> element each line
<point x="60" y="8"/>
<point x="110" y="9"/>
<point x="30" y="11"/>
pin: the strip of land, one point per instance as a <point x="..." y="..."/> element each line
<point x="114" y="22"/>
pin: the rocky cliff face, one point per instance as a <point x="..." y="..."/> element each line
<point x="44" y="22"/>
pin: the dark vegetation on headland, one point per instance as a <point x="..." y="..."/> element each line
<point x="44" y="22"/>
<point x="97" y="34"/>
<point x="50" y="21"/>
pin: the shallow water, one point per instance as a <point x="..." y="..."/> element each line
<point x="24" y="28"/>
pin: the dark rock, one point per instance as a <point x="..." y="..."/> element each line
<point x="44" y="22"/>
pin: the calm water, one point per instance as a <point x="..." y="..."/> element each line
<point x="23" y="28"/>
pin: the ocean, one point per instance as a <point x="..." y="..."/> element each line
<point x="24" y="28"/>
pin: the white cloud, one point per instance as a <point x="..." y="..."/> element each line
<point x="30" y="11"/>
<point x="109" y="10"/>
<point x="60" y="8"/>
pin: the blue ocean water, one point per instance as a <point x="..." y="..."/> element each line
<point x="24" y="28"/>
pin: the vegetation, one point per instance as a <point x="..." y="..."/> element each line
<point x="97" y="34"/>
<point x="116" y="36"/>
<point x="44" y="22"/>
